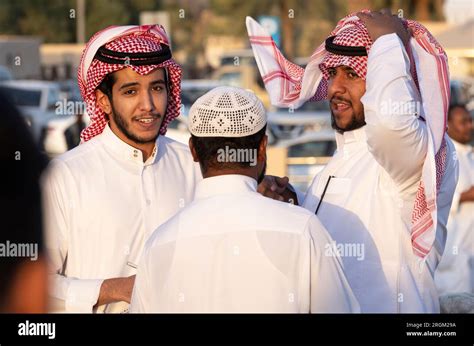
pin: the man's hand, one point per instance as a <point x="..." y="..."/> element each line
<point x="383" y="23"/>
<point x="467" y="196"/>
<point x="116" y="290"/>
<point x="277" y="188"/>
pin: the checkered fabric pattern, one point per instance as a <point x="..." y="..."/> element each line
<point x="356" y="35"/>
<point x="130" y="39"/>
<point x="289" y="85"/>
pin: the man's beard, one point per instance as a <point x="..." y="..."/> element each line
<point x="354" y="124"/>
<point x="262" y="174"/>
<point x="124" y="128"/>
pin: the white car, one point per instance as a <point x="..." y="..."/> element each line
<point x="307" y="155"/>
<point x="287" y="123"/>
<point x="54" y="139"/>
<point x="5" y="73"/>
<point x="36" y="100"/>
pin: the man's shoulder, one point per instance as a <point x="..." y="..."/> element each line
<point x="165" y="233"/>
<point x="174" y="145"/>
<point x="176" y="154"/>
<point x="269" y="214"/>
<point x="76" y="159"/>
<point x="79" y="153"/>
<point x="286" y="211"/>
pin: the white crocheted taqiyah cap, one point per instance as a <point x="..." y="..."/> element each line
<point x="227" y="112"/>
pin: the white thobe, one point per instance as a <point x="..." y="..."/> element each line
<point x="368" y="203"/>
<point x="101" y="203"/>
<point x="233" y="250"/>
<point x="455" y="273"/>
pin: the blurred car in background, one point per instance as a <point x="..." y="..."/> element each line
<point x="70" y="90"/>
<point x="238" y="68"/>
<point x="5" y="73"/>
<point x="287" y="123"/>
<point x="53" y="132"/>
<point x="36" y="100"/>
<point x="307" y="155"/>
<point x="54" y="137"/>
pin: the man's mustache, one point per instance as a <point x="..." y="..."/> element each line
<point x="154" y="115"/>
<point x="336" y="99"/>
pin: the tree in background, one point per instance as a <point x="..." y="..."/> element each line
<point x="305" y="23"/>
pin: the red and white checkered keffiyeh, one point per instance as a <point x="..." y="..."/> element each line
<point x="130" y="39"/>
<point x="290" y="85"/>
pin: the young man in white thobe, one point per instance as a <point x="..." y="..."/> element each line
<point x="105" y="197"/>
<point x="233" y="250"/>
<point x="455" y="273"/>
<point x="384" y="191"/>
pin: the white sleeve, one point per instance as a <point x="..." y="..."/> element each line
<point x="138" y="303"/>
<point x="329" y="289"/>
<point x="396" y="136"/>
<point x="66" y="294"/>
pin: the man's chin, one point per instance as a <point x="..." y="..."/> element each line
<point x="145" y="139"/>
<point x="342" y="125"/>
<point x="142" y="138"/>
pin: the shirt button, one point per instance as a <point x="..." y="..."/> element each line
<point x="135" y="153"/>
<point x="148" y="202"/>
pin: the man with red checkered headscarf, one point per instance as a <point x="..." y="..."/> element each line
<point x="106" y="196"/>
<point x="385" y="195"/>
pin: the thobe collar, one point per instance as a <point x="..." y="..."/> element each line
<point x="225" y="184"/>
<point x="462" y="148"/>
<point x="354" y="136"/>
<point x="125" y="151"/>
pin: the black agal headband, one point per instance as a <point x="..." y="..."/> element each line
<point x="138" y="59"/>
<point x="344" y="50"/>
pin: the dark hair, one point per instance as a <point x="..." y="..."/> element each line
<point x="454" y="106"/>
<point x="107" y="84"/>
<point x="207" y="149"/>
<point x="20" y="195"/>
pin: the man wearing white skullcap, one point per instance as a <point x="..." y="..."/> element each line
<point x="105" y="197"/>
<point x="233" y="250"/>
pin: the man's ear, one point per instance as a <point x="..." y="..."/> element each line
<point x="262" y="149"/>
<point x="103" y="102"/>
<point x="193" y="150"/>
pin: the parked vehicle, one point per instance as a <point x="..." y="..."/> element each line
<point x="5" y="73"/>
<point x="307" y="155"/>
<point x="54" y="138"/>
<point x="287" y="123"/>
<point x="36" y="100"/>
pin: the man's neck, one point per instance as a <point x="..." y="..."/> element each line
<point x="145" y="148"/>
<point x="214" y="173"/>
<point x="459" y="141"/>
